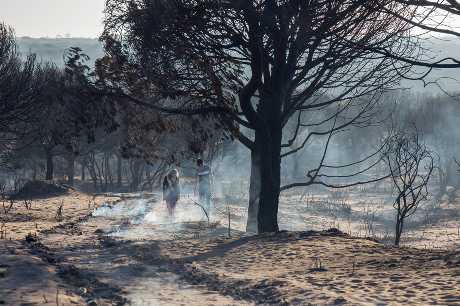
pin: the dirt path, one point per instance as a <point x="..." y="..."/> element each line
<point x="118" y="272"/>
<point x="28" y="280"/>
<point x="74" y="261"/>
<point x="71" y="260"/>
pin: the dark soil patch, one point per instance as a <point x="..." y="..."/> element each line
<point x="38" y="190"/>
<point x="84" y="283"/>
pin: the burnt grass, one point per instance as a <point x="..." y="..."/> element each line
<point x="71" y="275"/>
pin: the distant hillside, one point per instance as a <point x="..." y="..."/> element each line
<point x="52" y="49"/>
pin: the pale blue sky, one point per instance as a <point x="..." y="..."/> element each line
<point x="40" y="18"/>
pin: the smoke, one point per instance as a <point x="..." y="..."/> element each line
<point x="127" y="209"/>
<point x="149" y="218"/>
<point x="186" y="211"/>
<point x="360" y="211"/>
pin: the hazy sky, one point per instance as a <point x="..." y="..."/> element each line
<point x="40" y="18"/>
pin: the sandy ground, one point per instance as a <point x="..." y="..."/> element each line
<point x="28" y="280"/>
<point x="324" y="269"/>
<point x="25" y="278"/>
<point x="320" y="268"/>
<point x="131" y="253"/>
<point x="71" y="262"/>
<point x="42" y="214"/>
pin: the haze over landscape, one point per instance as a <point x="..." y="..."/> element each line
<point x="48" y="27"/>
<point x="203" y="152"/>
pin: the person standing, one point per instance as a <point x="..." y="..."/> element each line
<point x="204" y="185"/>
<point x="171" y="191"/>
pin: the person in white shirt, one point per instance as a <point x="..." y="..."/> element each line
<point x="204" y="185"/>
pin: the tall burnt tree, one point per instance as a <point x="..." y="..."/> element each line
<point x="19" y="85"/>
<point x="46" y="123"/>
<point x="260" y="63"/>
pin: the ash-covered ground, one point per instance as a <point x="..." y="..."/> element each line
<point x="125" y="249"/>
<point x="358" y="212"/>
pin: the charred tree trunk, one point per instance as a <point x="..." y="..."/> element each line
<point x="266" y="168"/>
<point x="254" y="192"/>
<point x="70" y="168"/>
<point x="399" y="229"/>
<point x="108" y="177"/>
<point x="92" y="170"/>
<point x="49" y="165"/>
<point x="270" y="173"/>
<point x="83" y="173"/>
<point x="452" y="180"/>
<point x="400" y="216"/>
<point x="397" y="235"/>
<point x="137" y="172"/>
<point x="119" y="171"/>
<point x="34" y="171"/>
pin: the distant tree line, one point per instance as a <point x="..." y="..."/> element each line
<point x="61" y="122"/>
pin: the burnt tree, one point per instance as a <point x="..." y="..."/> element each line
<point x="410" y="164"/>
<point x="20" y="82"/>
<point x="258" y="64"/>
